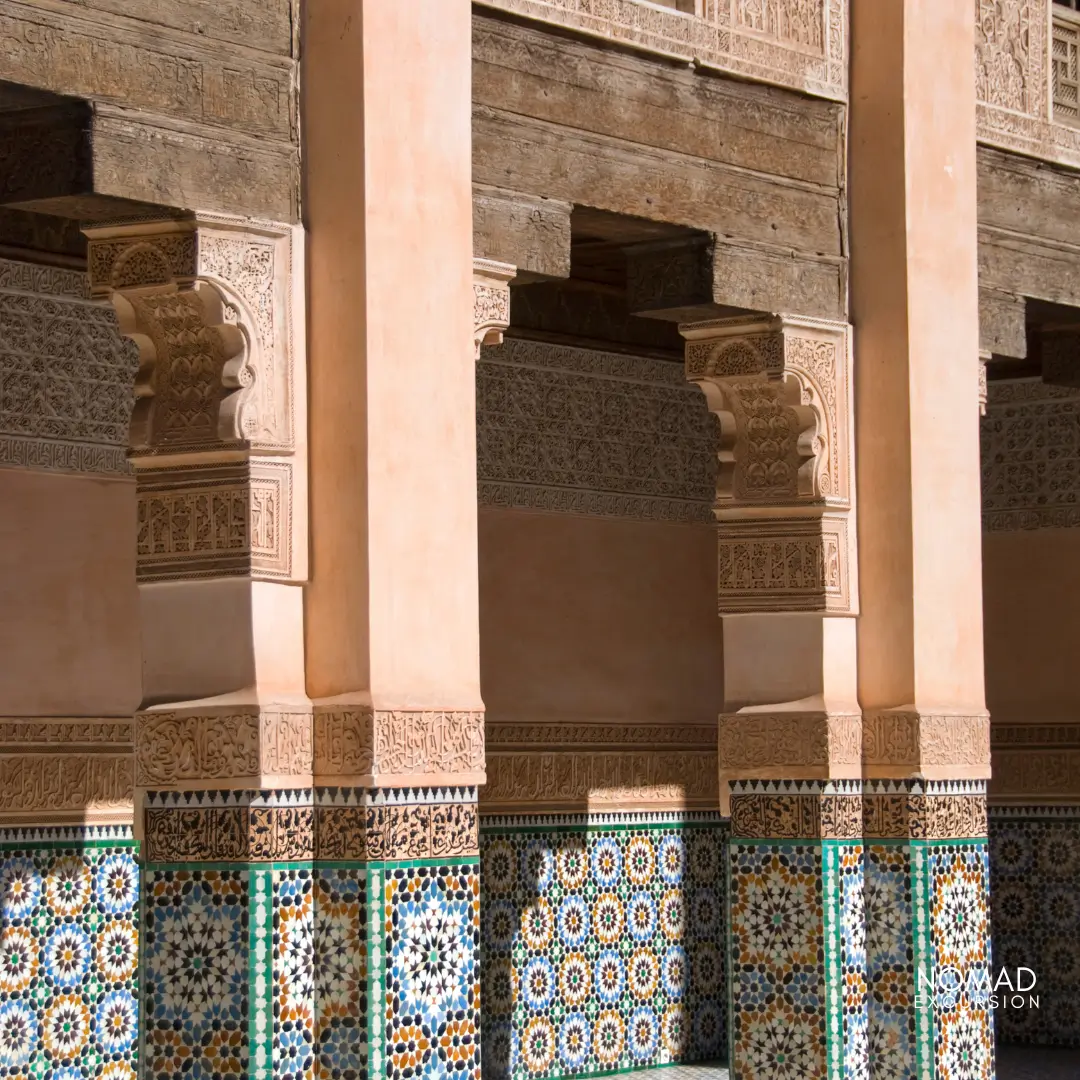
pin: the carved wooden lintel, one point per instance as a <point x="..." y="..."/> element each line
<point x="491" y="301"/>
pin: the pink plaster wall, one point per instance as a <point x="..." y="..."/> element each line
<point x="598" y="618"/>
<point x="1031" y="624"/>
<point x="69" y="643"/>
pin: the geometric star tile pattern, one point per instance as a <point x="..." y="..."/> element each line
<point x="603" y="943"/>
<point x="68" y="954"/>
<point x="314" y="969"/>
<point x="1035" y="918"/>
<point x="827" y="940"/>
<point x="196" y="973"/>
<point x="778" y="955"/>
<point x="960" y="940"/>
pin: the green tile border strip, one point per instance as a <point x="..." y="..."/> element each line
<point x="923" y="958"/>
<point x="260" y="973"/>
<point x="831" y="923"/>
<point x="56" y="845"/>
<point x="640" y="1069"/>
<point x="376" y="972"/>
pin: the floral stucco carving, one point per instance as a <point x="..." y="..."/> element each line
<point x="398" y="747"/>
<point x="633" y="440"/>
<point x="67" y="373"/>
<point x="214" y="308"/>
<point x="800" y="44"/>
<point x="780" y="389"/>
<point x="1030" y="456"/>
<point x="491" y="302"/>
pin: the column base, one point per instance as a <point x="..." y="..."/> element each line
<point x="852" y="906"/>
<point x="336" y="938"/>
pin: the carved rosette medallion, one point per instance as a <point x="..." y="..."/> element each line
<point x="491" y="301"/>
<point x="781" y="389"/>
<point x="218" y="430"/>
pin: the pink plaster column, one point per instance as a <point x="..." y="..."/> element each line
<point x="914" y="307"/>
<point x="391" y="610"/>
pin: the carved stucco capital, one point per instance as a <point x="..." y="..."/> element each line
<point x="491" y="301"/>
<point x="780" y="387"/>
<point x="215" y="307"/>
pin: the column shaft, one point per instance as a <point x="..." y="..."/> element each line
<point x="925" y="753"/>
<point x="391" y="611"/>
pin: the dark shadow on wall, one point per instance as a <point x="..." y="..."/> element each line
<point x="1035" y="922"/>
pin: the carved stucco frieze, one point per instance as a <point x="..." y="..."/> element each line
<point x="558" y="735"/>
<point x="55" y="787"/>
<point x="1021" y="47"/>
<point x="899" y="741"/>
<point x="788" y="744"/>
<point x="491" y="302"/>
<point x="398" y="747"/>
<point x="1035" y="762"/>
<point x="1030" y="456"/>
<point x="632" y="439"/>
<point x="216" y="520"/>
<point x="795" y="564"/>
<point x="577" y="780"/>
<point x="67" y="374"/>
<point x="800" y="44"/>
<point x="214" y="306"/>
<point x="849" y="809"/>
<point x="780" y="388"/>
<point x="213" y="827"/>
<point x="56" y="770"/>
<point x="216" y="748"/>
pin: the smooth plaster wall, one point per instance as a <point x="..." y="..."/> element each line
<point x="70" y="639"/>
<point x="1031" y="624"/>
<point x="598" y="618"/>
